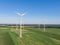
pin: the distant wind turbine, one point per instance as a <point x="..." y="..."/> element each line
<point x="44" y="24"/>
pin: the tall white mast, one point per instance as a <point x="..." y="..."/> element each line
<point x="21" y="16"/>
<point x="44" y="27"/>
<point x="44" y="24"/>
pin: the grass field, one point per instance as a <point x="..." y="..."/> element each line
<point x="31" y="36"/>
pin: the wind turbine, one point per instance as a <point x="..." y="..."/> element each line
<point x="44" y="24"/>
<point x="44" y="27"/>
<point x="16" y="26"/>
<point x="39" y="26"/>
<point x="21" y="16"/>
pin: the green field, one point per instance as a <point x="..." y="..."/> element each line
<point x="31" y="36"/>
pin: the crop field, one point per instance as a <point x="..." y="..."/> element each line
<point x="31" y="36"/>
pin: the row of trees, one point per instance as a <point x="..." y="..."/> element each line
<point x="32" y="25"/>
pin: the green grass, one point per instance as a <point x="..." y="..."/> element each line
<point x="5" y="39"/>
<point x="31" y="36"/>
<point x="43" y="38"/>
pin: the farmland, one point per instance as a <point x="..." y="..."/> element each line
<point x="31" y="36"/>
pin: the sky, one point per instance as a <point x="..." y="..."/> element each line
<point x="36" y="11"/>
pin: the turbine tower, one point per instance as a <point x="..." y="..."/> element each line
<point x="44" y="24"/>
<point x="44" y="27"/>
<point x="39" y="26"/>
<point x="21" y="16"/>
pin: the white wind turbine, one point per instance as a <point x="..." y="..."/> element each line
<point x="44" y="24"/>
<point x="21" y="15"/>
